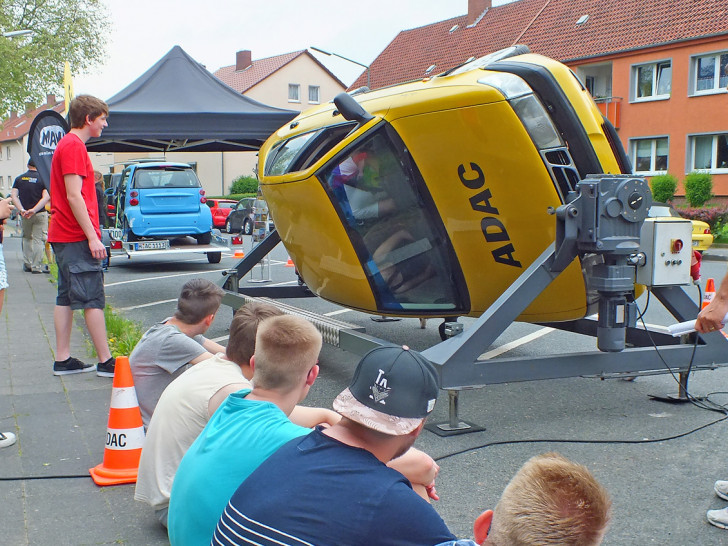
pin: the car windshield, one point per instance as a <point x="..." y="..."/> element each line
<point x="393" y="225"/>
<point x="165" y="178"/>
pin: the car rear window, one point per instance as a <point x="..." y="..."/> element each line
<point x="165" y="178"/>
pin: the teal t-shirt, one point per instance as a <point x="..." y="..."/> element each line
<point x="239" y="436"/>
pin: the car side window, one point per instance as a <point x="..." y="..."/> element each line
<point x="393" y="225"/>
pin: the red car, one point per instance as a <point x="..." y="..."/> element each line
<point x="220" y="209"/>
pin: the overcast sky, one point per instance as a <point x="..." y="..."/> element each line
<point x="212" y="31"/>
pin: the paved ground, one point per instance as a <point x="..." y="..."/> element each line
<point x="661" y="489"/>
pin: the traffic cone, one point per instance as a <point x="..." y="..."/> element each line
<point x="709" y="293"/>
<point x="125" y="432"/>
<point x="239" y="254"/>
<point x="290" y="263"/>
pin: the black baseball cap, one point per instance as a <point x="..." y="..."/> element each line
<point x="392" y="391"/>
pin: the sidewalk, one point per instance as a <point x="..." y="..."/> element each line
<point x="60" y="423"/>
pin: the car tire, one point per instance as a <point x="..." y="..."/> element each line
<point x="228" y="226"/>
<point x="204" y="238"/>
<point x="214" y="257"/>
<point x="248" y="227"/>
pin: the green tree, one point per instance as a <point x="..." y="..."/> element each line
<point x="663" y="187"/>
<point x="63" y="30"/>
<point x="698" y="188"/>
<point x="244" y="184"/>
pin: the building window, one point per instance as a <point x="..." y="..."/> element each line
<point x="649" y="155"/>
<point x="710" y="73"/>
<point x="589" y="83"/>
<point x="709" y="153"/>
<point x="313" y="94"/>
<point x="652" y="81"/>
<point x="7" y="152"/>
<point x="294" y="94"/>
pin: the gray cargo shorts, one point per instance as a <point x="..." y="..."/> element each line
<point x="80" y="277"/>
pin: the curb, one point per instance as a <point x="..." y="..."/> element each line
<point x="715" y="257"/>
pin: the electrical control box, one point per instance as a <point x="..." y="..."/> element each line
<point x="667" y="244"/>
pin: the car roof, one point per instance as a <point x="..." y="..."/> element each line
<point x="155" y="164"/>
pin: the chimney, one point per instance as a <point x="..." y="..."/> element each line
<point x="476" y="8"/>
<point x="242" y="60"/>
<point x="50" y="100"/>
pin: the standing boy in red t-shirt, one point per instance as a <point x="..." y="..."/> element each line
<point x="76" y="239"/>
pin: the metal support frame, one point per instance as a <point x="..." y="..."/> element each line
<point x="456" y="359"/>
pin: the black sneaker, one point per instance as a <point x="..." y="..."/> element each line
<point x="71" y="365"/>
<point x="26" y="268"/>
<point x="106" y="369"/>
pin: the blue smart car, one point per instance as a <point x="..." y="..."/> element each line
<point x="162" y="200"/>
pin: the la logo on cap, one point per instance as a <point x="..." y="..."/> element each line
<point x="380" y="391"/>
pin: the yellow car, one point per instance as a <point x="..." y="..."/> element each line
<point x="430" y="198"/>
<point x="702" y="238"/>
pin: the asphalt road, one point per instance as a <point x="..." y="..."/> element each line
<point x="661" y="487"/>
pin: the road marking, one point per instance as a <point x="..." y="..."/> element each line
<point x="332" y="313"/>
<point x="223" y="338"/>
<point x="131" y="308"/>
<point x="513" y="344"/>
<point x="198" y="273"/>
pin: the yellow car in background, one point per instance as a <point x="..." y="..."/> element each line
<point x="702" y="238"/>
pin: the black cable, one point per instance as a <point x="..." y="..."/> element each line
<point x="705" y="404"/>
<point x="52" y="477"/>
<point x="565" y="441"/>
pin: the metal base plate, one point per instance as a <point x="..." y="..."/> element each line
<point x="446" y="429"/>
<point x="671" y="399"/>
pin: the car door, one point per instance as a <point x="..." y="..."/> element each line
<point x="237" y="216"/>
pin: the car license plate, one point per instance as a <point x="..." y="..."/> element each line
<point x="695" y="243"/>
<point x="151" y="245"/>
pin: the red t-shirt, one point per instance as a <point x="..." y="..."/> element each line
<point x="71" y="157"/>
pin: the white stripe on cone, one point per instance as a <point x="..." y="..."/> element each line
<point x="125" y="438"/>
<point x="123" y="398"/>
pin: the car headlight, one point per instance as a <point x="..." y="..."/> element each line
<point x="537" y="122"/>
<point x="509" y="84"/>
<point x="527" y="107"/>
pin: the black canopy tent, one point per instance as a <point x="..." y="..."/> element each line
<point x="177" y="105"/>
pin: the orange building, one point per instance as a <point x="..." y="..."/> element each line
<point x="657" y="68"/>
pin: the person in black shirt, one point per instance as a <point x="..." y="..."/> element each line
<point x="30" y="197"/>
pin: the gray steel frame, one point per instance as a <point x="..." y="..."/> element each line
<point x="456" y="359"/>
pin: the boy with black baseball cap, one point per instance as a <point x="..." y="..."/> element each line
<point x="334" y="483"/>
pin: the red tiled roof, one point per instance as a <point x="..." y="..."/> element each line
<point x="547" y="27"/>
<point x="260" y="69"/>
<point x="17" y="126"/>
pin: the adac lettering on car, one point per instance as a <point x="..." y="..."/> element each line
<point x="493" y="229"/>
